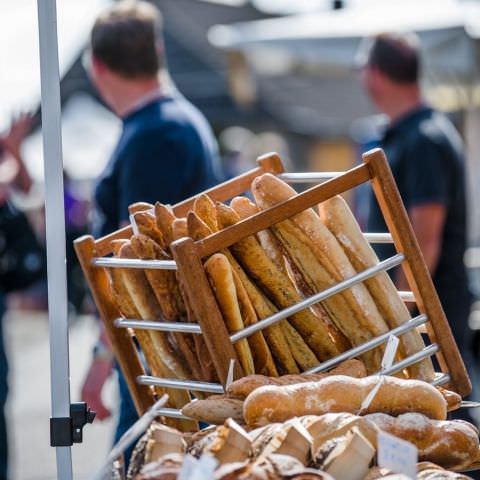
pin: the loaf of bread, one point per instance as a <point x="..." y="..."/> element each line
<point x="450" y="444"/>
<point x="215" y="409"/>
<point x="338" y="218"/>
<point x="342" y="394"/>
<point x="317" y="255"/>
<point x="242" y="387"/>
<point x="220" y="275"/>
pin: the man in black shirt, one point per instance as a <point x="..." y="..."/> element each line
<point x="425" y="154"/>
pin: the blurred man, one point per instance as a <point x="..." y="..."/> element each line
<point x="166" y="151"/>
<point x="425" y="153"/>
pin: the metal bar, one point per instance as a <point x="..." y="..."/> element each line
<point x="339" y="287"/>
<point x="375" y="342"/>
<point x="134" y="263"/>
<point x="406" y="362"/>
<point x="441" y="380"/>
<point x="378" y="237"/>
<point x="181" y="384"/>
<point x="308" y="177"/>
<point x="407" y="296"/>
<point x="55" y="223"/>
<point x="160" y="326"/>
<point x="172" y="413"/>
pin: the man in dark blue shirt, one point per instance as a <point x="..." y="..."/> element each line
<point x="166" y="151"/>
<point x="425" y="153"/>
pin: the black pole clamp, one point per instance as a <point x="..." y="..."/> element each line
<point x="65" y="431"/>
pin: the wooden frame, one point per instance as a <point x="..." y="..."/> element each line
<point x="189" y="255"/>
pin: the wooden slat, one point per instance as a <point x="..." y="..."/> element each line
<point x="283" y="210"/>
<point x="236" y="186"/>
<point x="416" y="270"/>
<point x="203" y="303"/>
<point x="122" y="344"/>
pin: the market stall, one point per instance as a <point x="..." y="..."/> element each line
<point x="276" y="316"/>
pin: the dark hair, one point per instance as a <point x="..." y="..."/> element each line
<point x="126" y="38"/>
<point x="395" y="55"/>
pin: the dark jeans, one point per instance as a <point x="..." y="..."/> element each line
<point x="3" y="401"/>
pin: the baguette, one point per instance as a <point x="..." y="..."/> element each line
<point x="318" y="256"/>
<point x="179" y="228"/>
<point x="338" y="218"/>
<point x="145" y="338"/>
<point x="450" y="444"/>
<point x="275" y="334"/>
<point x="145" y="302"/>
<point x="342" y="394"/>
<point x="214" y="409"/>
<point x="204" y="208"/>
<point x="262" y="357"/>
<point x="245" y="209"/>
<point x="146" y="225"/>
<point x="164" y="219"/>
<point x="319" y="333"/>
<point x="242" y="387"/>
<point x="165" y="287"/>
<point x="220" y="275"/>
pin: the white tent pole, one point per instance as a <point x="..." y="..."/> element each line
<point x="55" y="224"/>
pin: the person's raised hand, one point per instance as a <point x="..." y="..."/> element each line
<point x="98" y="373"/>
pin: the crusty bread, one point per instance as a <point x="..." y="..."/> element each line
<point x="342" y="394"/>
<point x="318" y="256"/>
<point x="242" y="387"/>
<point x="204" y="208"/>
<point x="164" y="219"/>
<point x="215" y="409"/>
<point x="450" y="444"/>
<point x="338" y="218"/>
<point x="220" y="275"/>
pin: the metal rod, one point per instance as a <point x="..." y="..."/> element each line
<point x="182" y="327"/>
<point x="180" y="384"/>
<point x="416" y="357"/>
<point x="339" y="287"/>
<point x="134" y="263"/>
<point x="378" y="237"/>
<point x="172" y="413"/>
<point x="308" y="177"/>
<point x="407" y="296"/>
<point x="441" y="380"/>
<point x="55" y="224"/>
<point x="374" y="342"/>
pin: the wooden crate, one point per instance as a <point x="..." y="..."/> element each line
<point x="189" y="256"/>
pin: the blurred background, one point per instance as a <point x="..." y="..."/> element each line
<point x="268" y="75"/>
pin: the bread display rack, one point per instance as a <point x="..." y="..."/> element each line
<point x="188" y="261"/>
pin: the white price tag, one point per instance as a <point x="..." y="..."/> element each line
<point x="205" y="468"/>
<point x="397" y="455"/>
<point x="133" y="223"/>
<point x="230" y="373"/>
<point x="188" y="467"/>
<point x="390" y="352"/>
<point x="387" y="362"/>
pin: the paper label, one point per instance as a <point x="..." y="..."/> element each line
<point x="230" y="373"/>
<point x="390" y="352"/>
<point x="188" y="467"/>
<point x="133" y="223"/>
<point x="387" y="362"/>
<point x="397" y="455"/>
<point x="205" y="468"/>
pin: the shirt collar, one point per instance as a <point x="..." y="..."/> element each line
<point x="142" y="102"/>
<point x="409" y="119"/>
